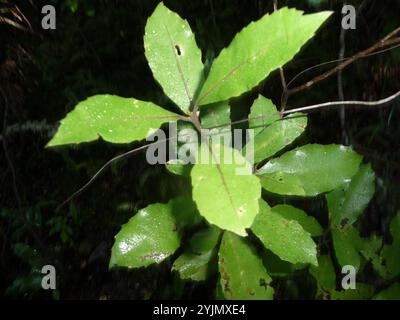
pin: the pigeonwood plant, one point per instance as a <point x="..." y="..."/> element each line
<point x="241" y="238"/>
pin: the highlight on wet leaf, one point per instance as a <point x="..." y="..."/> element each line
<point x="153" y="234"/>
<point x="114" y="119"/>
<point x="310" y="170"/>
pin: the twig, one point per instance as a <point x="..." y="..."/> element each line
<point x="338" y="103"/>
<point x="107" y="164"/>
<point x="387" y="41"/>
<point x="338" y="60"/>
<point x="312" y="107"/>
<point x="342" y="111"/>
<point x="282" y="75"/>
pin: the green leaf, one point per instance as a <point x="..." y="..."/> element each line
<point x="286" y="238"/>
<point x="114" y="119"/>
<point x="256" y="51"/>
<point x="371" y="246"/>
<point x="395" y="228"/>
<point x="324" y="273"/>
<point x="271" y="132"/>
<point x="196" y="267"/>
<point x="178" y="167"/>
<point x="153" y="234"/>
<point x="347" y="244"/>
<point x="173" y="56"/>
<point x="370" y="250"/>
<point x="205" y="240"/>
<point x="263" y="113"/>
<point x="219" y="293"/>
<point x="310" y="170"/>
<point x="391" y="257"/>
<point x="355" y="198"/>
<point x="199" y="261"/>
<point x="363" y="291"/>
<point x="226" y="194"/>
<point x="390" y="253"/>
<point x="217" y="116"/>
<point x="334" y="200"/>
<point x="243" y="275"/>
<point x="391" y="293"/>
<point x="309" y="224"/>
<point x="387" y="264"/>
<point x="277" y="267"/>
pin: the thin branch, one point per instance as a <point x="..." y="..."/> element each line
<point x="282" y="75"/>
<point x="387" y="41"/>
<point x="338" y="60"/>
<point x="312" y="107"/>
<point x="339" y="103"/>
<point x="342" y="111"/>
<point x="105" y="166"/>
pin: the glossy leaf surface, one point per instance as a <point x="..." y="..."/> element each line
<point x="114" y="119"/>
<point x="256" y="51"/>
<point x="271" y="132"/>
<point x="153" y="234"/>
<point x="310" y="170"/>
<point x="173" y="56"/>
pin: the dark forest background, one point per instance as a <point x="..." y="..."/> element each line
<point x="98" y="48"/>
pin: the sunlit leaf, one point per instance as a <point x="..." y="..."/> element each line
<point x="226" y="194"/>
<point x="153" y="234"/>
<point x="310" y="170"/>
<point x="114" y="119"/>
<point x="271" y="132"/>
<point x="173" y="56"/>
<point x="257" y="50"/>
<point x="309" y="223"/>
